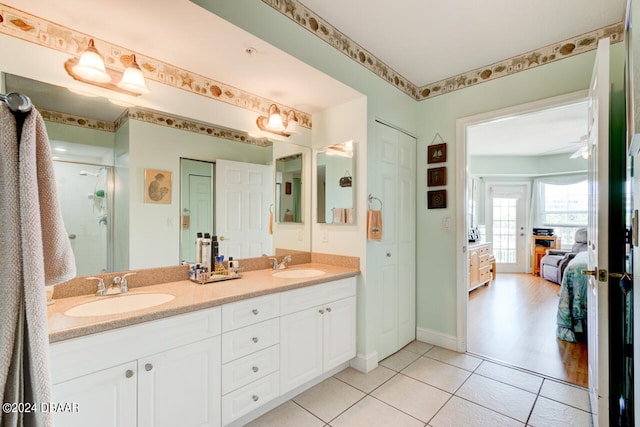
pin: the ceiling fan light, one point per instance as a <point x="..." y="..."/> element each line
<point x="132" y="78"/>
<point x="91" y="65"/>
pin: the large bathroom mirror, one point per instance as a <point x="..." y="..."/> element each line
<point x="335" y="192"/>
<point x="102" y="159"/>
<point x="288" y="189"/>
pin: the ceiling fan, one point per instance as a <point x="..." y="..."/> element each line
<point x="583" y="151"/>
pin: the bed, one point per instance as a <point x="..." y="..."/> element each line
<point x="572" y="307"/>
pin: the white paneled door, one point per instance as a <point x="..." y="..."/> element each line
<point x="243" y="196"/>
<point x="598" y="234"/>
<point x="394" y="256"/>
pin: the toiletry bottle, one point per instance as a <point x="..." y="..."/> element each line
<point x="214" y="249"/>
<point x="199" y="248"/>
<point x="206" y="251"/>
<point x="215" y="246"/>
<point x="233" y="265"/>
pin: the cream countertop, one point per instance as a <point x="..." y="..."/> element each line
<point x="189" y="296"/>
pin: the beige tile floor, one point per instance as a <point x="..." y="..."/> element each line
<point x="423" y="385"/>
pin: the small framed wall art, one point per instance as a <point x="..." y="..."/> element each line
<point x="437" y="199"/>
<point x="157" y="186"/>
<point x="437" y="153"/>
<point x="437" y="177"/>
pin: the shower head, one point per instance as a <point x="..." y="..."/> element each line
<point x="85" y="173"/>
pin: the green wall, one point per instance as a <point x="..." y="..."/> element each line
<point x="436" y="245"/>
<point x="436" y="273"/>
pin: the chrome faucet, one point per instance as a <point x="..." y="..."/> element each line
<point x="122" y="282"/>
<point x="102" y="290"/>
<point x="280" y="265"/>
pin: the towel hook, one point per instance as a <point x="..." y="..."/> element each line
<point x="372" y="199"/>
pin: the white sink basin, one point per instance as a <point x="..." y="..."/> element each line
<point x="299" y="273"/>
<point x="105" y="306"/>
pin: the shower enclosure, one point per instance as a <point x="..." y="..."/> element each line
<point x="85" y="192"/>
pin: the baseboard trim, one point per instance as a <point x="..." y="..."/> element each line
<point x="437" y="338"/>
<point x="365" y="363"/>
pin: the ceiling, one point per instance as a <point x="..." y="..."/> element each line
<point x="429" y="40"/>
<point x="550" y="131"/>
<point x="422" y="40"/>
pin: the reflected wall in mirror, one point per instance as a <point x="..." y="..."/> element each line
<point x="113" y="145"/>
<point x="196" y="204"/>
<point x="335" y="192"/>
<point x="288" y="190"/>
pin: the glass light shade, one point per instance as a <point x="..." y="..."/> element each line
<point x="292" y="124"/>
<point x="132" y="79"/>
<point x="275" y="122"/>
<point x="91" y="66"/>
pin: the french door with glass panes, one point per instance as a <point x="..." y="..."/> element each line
<point x="506" y="206"/>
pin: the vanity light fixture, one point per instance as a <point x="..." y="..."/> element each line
<point x="90" y="66"/>
<point x="132" y="78"/>
<point x="274" y="122"/>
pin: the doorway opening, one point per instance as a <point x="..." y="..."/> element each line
<point x="509" y="156"/>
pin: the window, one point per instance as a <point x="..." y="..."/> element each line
<point x="564" y="208"/>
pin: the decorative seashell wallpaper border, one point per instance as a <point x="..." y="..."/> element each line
<point x="308" y="19"/>
<point x="157" y="118"/>
<point x="24" y="26"/>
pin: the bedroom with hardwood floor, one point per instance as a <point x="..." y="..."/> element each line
<point x="527" y="198"/>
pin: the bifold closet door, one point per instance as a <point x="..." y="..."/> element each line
<point x="395" y="256"/>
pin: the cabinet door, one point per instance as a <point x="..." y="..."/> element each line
<point x="300" y="347"/>
<point x="105" y="398"/>
<point x="181" y="387"/>
<point x="339" y="334"/>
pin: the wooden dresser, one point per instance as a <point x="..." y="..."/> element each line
<point x="480" y="259"/>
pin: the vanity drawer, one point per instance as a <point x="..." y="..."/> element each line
<point x="311" y="296"/>
<point x="245" y="370"/>
<point x="250" y="339"/>
<point x="250" y="397"/>
<point x="243" y="313"/>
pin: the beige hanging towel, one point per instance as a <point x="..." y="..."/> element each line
<point x="34" y="252"/>
<point x="374" y="224"/>
<point x="338" y="215"/>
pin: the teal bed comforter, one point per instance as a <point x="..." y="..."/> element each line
<point x="572" y="307"/>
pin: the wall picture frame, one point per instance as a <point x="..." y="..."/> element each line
<point x="437" y="199"/>
<point x="437" y="177"/>
<point x="157" y="186"/>
<point x="437" y="153"/>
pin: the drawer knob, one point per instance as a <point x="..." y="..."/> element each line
<point x="148" y="367"/>
<point x="321" y="311"/>
<point x="255" y="398"/>
<point x="328" y="309"/>
<point x="129" y="373"/>
<point x="254" y="339"/>
<point x="255" y="311"/>
<point x="255" y="369"/>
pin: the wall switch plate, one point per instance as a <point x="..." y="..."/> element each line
<point x="300" y="235"/>
<point x="325" y="236"/>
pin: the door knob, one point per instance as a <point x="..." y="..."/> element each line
<point x="129" y="373"/>
<point x="255" y="311"/>
<point x="148" y="367"/>
<point x="221" y="238"/>
<point x="254" y="339"/>
<point x="590" y="272"/>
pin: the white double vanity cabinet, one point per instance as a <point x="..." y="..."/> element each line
<point x="209" y="367"/>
